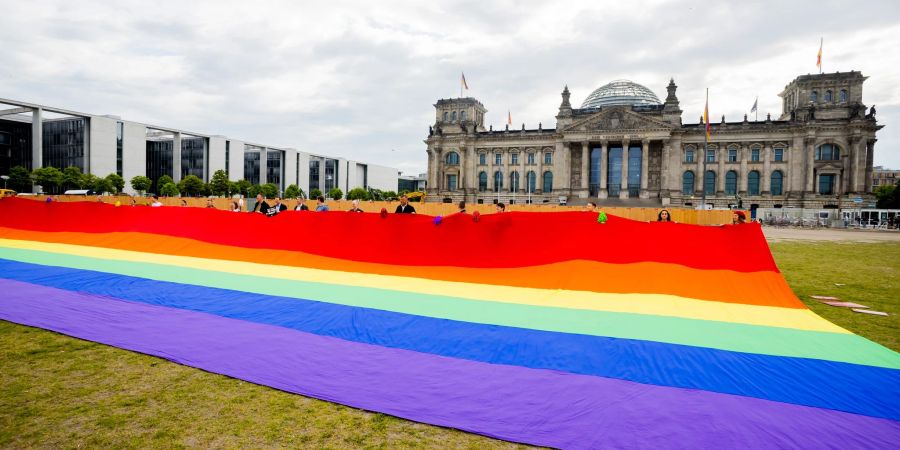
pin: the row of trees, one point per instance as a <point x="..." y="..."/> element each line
<point x="887" y="196"/>
<point x="55" y="181"/>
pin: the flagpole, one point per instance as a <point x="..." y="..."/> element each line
<point x="756" y="119"/>
<point x="706" y="148"/>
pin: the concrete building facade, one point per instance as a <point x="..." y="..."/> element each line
<point x="103" y="144"/>
<point x="624" y="146"/>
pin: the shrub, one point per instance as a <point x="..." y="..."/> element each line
<point x="169" y="190"/>
<point x="357" y="194"/>
<point x="336" y="194"/>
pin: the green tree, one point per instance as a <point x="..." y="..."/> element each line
<point x="292" y="191"/>
<point x="270" y="190"/>
<point x="357" y="194"/>
<point x="117" y="182"/>
<point x="169" y="190"/>
<point x="162" y="181"/>
<point x="207" y="190"/>
<point x="50" y="178"/>
<point x="73" y="178"/>
<point x="376" y="194"/>
<point x="336" y="194"/>
<point x="103" y="185"/>
<point x="315" y="193"/>
<point x="19" y="179"/>
<point x="390" y="195"/>
<point x="89" y="181"/>
<point x="141" y="184"/>
<point x="243" y="188"/>
<point x="887" y="197"/>
<point x="219" y="184"/>
<point x="191" y="185"/>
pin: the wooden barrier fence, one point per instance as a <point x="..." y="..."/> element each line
<point x="680" y="215"/>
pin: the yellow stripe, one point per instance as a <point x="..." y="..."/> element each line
<point x="651" y="304"/>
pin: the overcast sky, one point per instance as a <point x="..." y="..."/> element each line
<point x="359" y="79"/>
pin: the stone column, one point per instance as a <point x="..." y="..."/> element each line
<point x="664" y="167"/>
<point x="854" y="164"/>
<point x="585" y="168"/>
<point x="539" y="173"/>
<point x="744" y="174"/>
<point x="870" y="160"/>
<point x="176" y="158"/>
<point x="604" y="168"/>
<point x="809" y="159"/>
<point x="37" y="139"/>
<point x="721" y="155"/>
<point x="645" y="168"/>
<point x="766" y="178"/>
<point x="624" y="181"/>
<point x="523" y="177"/>
<point x="562" y="167"/>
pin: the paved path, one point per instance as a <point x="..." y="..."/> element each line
<point x="776" y="234"/>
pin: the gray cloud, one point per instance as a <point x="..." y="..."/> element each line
<point x="360" y="80"/>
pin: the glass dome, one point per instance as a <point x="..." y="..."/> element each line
<point x="620" y="92"/>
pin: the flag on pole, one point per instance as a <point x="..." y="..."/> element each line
<point x="508" y="117"/>
<point x="463" y="83"/>
<point x="753" y="109"/>
<point x="706" y="115"/>
<point x="819" y="56"/>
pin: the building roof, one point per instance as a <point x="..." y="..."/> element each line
<point x="620" y="92"/>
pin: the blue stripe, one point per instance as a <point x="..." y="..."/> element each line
<point x="860" y="389"/>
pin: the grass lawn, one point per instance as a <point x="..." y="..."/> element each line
<point x="61" y="392"/>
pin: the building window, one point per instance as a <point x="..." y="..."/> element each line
<point x="754" y="154"/>
<point x="614" y="171"/>
<point x="274" y="170"/>
<point x="548" y="182"/>
<point x="498" y="181"/>
<point x="826" y="184"/>
<point x="753" y="182"/>
<point x="159" y="161"/>
<point x="828" y="97"/>
<point x="548" y="158"/>
<point x="776" y="183"/>
<point x="530" y="181"/>
<point x="531" y="158"/>
<point x="63" y="144"/>
<point x="482" y="159"/>
<point x="779" y="154"/>
<point x="453" y="116"/>
<point x="451" y="182"/>
<point x="828" y="152"/>
<point x="331" y="174"/>
<point x="709" y="182"/>
<point x="120" y="134"/>
<point x="514" y="158"/>
<point x="452" y="159"/>
<point x="462" y="116"/>
<point x="314" y="169"/>
<point x="514" y="181"/>
<point x="843" y="96"/>
<point x="689" y="156"/>
<point x="731" y="182"/>
<point x="482" y="181"/>
<point x="193" y="155"/>
<point x="710" y="155"/>
<point x="446" y="114"/>
<point x="814" y="97"/>
<point x="498" y="159"/>
<point x="687" y="183"/>
<point x="732" y="155"/>
<point x="251" y="167"/>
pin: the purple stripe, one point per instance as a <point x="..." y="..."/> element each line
<point x="508" y="402"/>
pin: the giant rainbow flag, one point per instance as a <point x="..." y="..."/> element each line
<point x="543" y="328"/>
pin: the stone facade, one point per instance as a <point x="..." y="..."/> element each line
<point x="818" y="152"/>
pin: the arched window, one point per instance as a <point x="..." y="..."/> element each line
<point x="687" y="183"/>
<point x="814" y="96"/>
<point x="548" y="182"/>
<point x="709" y="182"/>
<point x="514" y="181"/>
<point x="828" y="152"/>
<point x="531" y="181"/>
<point x="777" y="183"/>
<point x="453" y="159"/>
<point x="446" y="115"/>
<point x="731" y="182"/>
<point x="828" y="97"/>
<point x="842" y="96"/>
<point x="462" y="116"/>
<point x="753" y="182"/>
<point x="498" y="181"/>
<point x="482" y="181"/>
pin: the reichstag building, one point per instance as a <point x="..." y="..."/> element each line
<point x="626" y="147"/>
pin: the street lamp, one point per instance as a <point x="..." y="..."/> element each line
<point x="4" y="177"/>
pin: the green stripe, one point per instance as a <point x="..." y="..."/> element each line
<point x="701" y="333"/>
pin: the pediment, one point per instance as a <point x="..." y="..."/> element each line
<point x="619" y="119"/>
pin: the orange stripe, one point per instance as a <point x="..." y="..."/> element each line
<point x="752" y="288"/>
